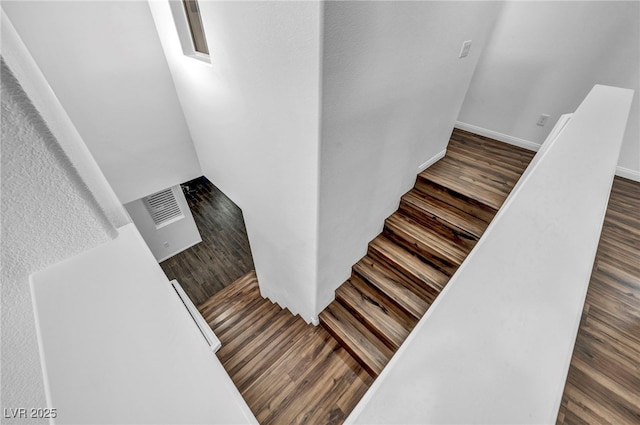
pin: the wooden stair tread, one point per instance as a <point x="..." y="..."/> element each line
<point x="248" y="371"/>
<point x="408" y="264"/>
<point x="491" y="148"/>
<point x="444" y="247"/>
<point x="246" y="283"/>
<point x="377" y="312"/>
<point x="250" y="335"/>
<point x="411" y="298"/>
<point x="494" y="165"/>
<point x="459" y="201"/>
<point x="223" y="314"/>
<point x="249" y="363"/>
<point x="496" y="180"/>
<point x="490" y="155"/>
<point x="359" y="341"/>
<point x="471" y="184"/>
<point x="435" y="209"/>
<point x="297" y="372"/>
<point x="230" y="329"/>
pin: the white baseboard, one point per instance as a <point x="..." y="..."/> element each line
<point x="628" y="173"/>
<point x="437" y="157"/>
<point x="267" y="295"/>
<point x="516" y="141"/>
<point x="166" y="257"/>
<point x="210" y="337"/>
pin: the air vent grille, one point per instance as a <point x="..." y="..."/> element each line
<point x="163" y="207"/>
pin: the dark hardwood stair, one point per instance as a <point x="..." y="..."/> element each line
<point x="410" y="265"/>
<point x="429" y="211"/>
<point x="397" y="288"/>
<point x="291" y="372"/>
<point x="422" y="245"/>
<point x="376" y="311"/>
<point x="356" y="338"/>
<point x="444" y="247"/>
<point x="458" y="201"/>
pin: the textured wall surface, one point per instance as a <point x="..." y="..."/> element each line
<point x="37" y="88"/>
<point x="104" y="61"/>
<point x="544" y="57"/>
<point x="48" y="215"/>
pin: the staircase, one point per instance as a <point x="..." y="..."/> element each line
<point x="422" y="245"/>
<point x="292" y="372"/>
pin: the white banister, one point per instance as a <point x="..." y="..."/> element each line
<point x="207" y="333"/>
<point x="496" y="345"/>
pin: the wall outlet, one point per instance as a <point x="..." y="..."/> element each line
<point x="464" y="51"/>
<point x="542" y="120"/>
<point x="165" y="244"/>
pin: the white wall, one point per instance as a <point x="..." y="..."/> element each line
<point x="106" y="66"/>
<point x="121" y="348"/>
<point x="392" y="88"/>
<point x="170" y="239"/>
<point x="48" y="214"/>
<point x="544" y="57"/>
<point x="253" y="115"/>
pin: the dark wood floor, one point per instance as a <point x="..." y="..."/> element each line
<point x="603" y="385"/>
<point x="223" y="255"/>
<point x="289" y="372"/>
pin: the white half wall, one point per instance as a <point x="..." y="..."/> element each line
<point x="168" y="240"/>
<point x="121" y="348"/>
<point x="253" y="113"/>
<point x="392" y="87"/>
<point x="48" y="214"/>
<point x="496" y="345"/>
<point x="544" y="57"/>
<point x="104" y="61"/>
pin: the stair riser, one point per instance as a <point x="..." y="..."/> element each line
<point x="409" y="298"/>
<point x="425" y="252"/>
<point x="374" y="374"/>
<point x="363" y="319"/>
<point x="458" y="200"/>
<point x="436" y="226"/>
<point x="417" y="203"/>
<point x="421" y="282"/>
<point x="461" y="236"/>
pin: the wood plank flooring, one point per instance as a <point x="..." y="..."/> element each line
<point x="603" y="384"/>
<point x="423" y="243"/>
<point x="289" y="372"/>
<point x="223" y="255"/>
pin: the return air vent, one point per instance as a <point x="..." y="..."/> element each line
<point x="163" y="207"/>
